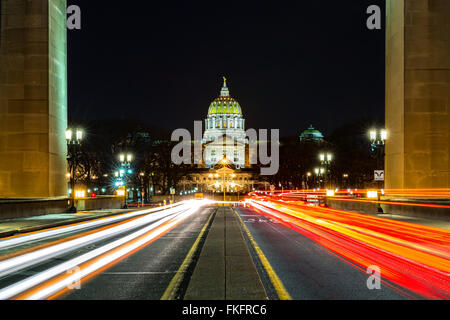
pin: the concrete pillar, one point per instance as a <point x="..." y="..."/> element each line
<point x="33" y="98"/>
<point x="418" y="94"/>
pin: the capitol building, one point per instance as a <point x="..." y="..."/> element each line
<point x="225" y="165"/>
<point x="224" y="135"/>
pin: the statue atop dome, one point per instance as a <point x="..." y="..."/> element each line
<point x="225" y="92"/>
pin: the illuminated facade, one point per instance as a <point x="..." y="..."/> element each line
<point x="225" y="131"/>
<point x="224" y="137"/>
<point x="33" y="99"/>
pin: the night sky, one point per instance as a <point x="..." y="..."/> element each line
<point x="288" y="65"/>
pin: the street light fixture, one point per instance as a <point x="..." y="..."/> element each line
<point x="68" y="135"/>
<point x="79" y="135"/>
<point x="325" y="160"/>
<point x="378" y="142"/>
<point x="73" y="154"/>
<point x="125" y="163"/>
<point x="319" y="173"/>
<point x="378" y="137"/>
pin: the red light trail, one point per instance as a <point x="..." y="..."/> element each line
<point x="412" y="256"/>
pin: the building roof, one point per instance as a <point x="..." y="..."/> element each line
<point x="225" y="104"/>
<point x="311" y="134"/>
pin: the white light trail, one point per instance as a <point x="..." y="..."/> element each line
<point x="31" y="282"/>
<point x="21" y="262"/>
<point x="78" y="227"/>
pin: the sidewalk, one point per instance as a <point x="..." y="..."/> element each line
<point x="13" y="227"/>
<point x="225" y="270"/>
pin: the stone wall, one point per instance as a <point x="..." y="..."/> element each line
<point x="23" y="208"/>
<point x="33" y="99"/>
<point x="442" y="214"/>
<point x="418" y="94"/>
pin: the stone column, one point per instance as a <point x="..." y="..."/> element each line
<point x="418" y="94"/>
<point x="33" y="99"/>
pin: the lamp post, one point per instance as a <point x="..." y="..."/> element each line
<point x="378" y="142"/>
<point x="73" y="139"/>
<point x="308" y="175"/>
<point x="319" y="173"/>
<point x="345" y="177"/>
<point x="125" y="164"/>
<point x="325" y="160"/>
<point x="224" y="164"/>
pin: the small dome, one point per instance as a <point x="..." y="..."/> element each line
<point x="225" y="104"/>
<point x="311" y="134"/>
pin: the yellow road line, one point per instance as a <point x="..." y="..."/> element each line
<point x="283" y="294"/>
<point x="172" y="288"/>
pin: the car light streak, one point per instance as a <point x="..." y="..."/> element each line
<point x="413" y="256"/>
<point x="21" y="262"/>
<point x="40" y="235"/>
<point x="102" y="257"/>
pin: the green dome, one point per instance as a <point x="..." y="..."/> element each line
<point x="311" y="134"/>
<point x="225" y="105"/>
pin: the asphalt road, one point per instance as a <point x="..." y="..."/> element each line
<point x="308" y="270"/>
<point x="144" y="273"/>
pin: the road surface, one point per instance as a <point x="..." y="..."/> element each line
<point x="135" y="256"/>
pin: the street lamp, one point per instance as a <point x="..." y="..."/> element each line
<point x="73" y="154"/>
<point x="308" y="175"/>
<point x="224" y="164"/>
<point x="125" y="163"/>
<point x="378" y="137"/>
<point x="325" y="160"/>
<point x="319" y="173"/>
<point x="378" y="142"/>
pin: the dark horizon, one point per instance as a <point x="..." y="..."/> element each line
<point x="164" y="64"/>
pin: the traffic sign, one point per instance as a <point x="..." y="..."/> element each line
<point x="379" y="175"/>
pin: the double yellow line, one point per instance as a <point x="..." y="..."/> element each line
<point x="282" y="293"/>
<point x="174" y="285"/>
